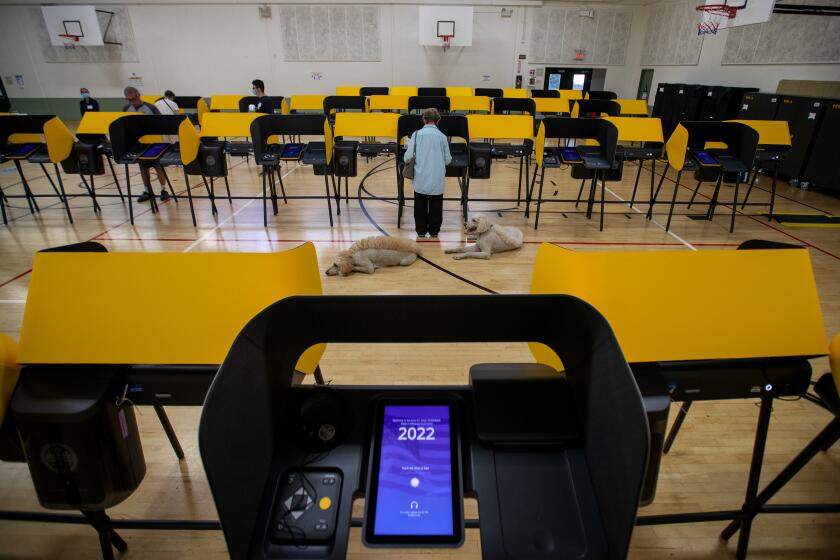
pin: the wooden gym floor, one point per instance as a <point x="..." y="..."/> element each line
<point x="706" y="470"/>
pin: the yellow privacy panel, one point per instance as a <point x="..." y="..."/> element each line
<point x="189" y="141"/>
<point x="637" y="129"/>
<point x="469" y="103"/>
<point x="59" y="140"/>
<point x="539" y="144"/>
<point x="98" y="122"/>
<point x="633" y="106"/>
<point x="389" y="102"/>
<point x="225" y="102"/>
<point x="770" y="133"/>
<point x="551" y="105"/>
<point x="408" y="91"/>
<point x="307" y="103"/>
<point x="99" y="308"/>
<point x="459" y="92"/>
<point x="9" y="371"/>
<point x="569" y="94"/>
<point x="691" y="305"/>
<point x="676" y="146"/>
<point x="228" y="124"/>
<point x="515" y="92"/>
<point x="833" y="360"/>
<point x="348" y="90"/>
<point x="366" y="124"/>
<point x="501" y="126"/>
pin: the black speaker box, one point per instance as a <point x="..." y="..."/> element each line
<point x="83" y="449"/>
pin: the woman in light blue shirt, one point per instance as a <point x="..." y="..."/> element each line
<point x="430" y="150"/>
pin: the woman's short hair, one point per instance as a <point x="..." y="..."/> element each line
<point x="431" y="114"/>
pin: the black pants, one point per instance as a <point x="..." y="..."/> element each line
<point x="428" y="213"/>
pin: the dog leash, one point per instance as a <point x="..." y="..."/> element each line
<point x="373" y="222"/>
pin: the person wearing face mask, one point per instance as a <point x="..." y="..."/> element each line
<point x="87" y="103"/>
<point x="264" y="103"/>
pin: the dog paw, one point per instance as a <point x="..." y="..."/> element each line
<point x="460" y="256"/>
<point x="450" y="251"/>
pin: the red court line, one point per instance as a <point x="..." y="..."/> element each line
<point x="339" y="241"/>
<point x="10" y="280"/>
<point x="763" y="222"/>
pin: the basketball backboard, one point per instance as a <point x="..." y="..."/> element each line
<point x="77" y="23"/>
<point x="437" y="22"/>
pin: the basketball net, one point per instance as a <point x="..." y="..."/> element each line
<point x="445" y="39"/>
<point x="712" y="16"/>
<point x="69" y="40"/>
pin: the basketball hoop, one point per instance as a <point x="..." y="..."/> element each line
<point x="445" y="39"/>
<point x="70" y="40"/>
<point x="713" y="14"/>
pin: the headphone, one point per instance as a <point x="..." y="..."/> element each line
<point x="324" y="420"/>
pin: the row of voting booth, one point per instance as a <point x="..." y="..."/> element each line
<point x="594" y="144"/>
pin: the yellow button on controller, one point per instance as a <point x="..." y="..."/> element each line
<point x="325" y="503"/>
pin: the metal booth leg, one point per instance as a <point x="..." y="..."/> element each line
<point x="170" y="432"/>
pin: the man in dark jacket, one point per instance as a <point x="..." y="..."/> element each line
<point x="87" y="103"/>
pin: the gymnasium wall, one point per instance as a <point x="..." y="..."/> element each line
<point x="202" y="47"/>
<point x="215" y="47"/>
<point x="714" y="60"/>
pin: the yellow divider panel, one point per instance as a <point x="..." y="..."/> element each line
<point x="569" y="94"/>
<point x="408" y="91"/>
<point x="59" y="140"/>
<point x="388" y="102"/>
<point x="691" y="305"/>
<point x="833" y="360"/>
<point x="201" y="108"/>
<point x="469" y="103"/>
<point x="189" y="141"/>
<point x="228" y="124"/>
<point x="460" y="92"/>
<point x="515" y="92"/>
<point x="98" y="122"/>
<point x="637" y="129"/>
<point x="633" y="106"/>
<point x="307" y="103"/>
<point x="9" y="371"/>
<point x="366" y="124"/>
<point x="675" y="147"/>
<point x="551" y="105"/>
<point x="225" y="102"/>
<point x="770" y="133"/>
<point x="501" y="126"/>
<point x="348" y="90"/>
<point x="97" y="308"/>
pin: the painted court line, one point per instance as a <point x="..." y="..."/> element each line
<point x="671" y="233"/>
<point x="195" y="243"/>
<point x="13" y="301"/>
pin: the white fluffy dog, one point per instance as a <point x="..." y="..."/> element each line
<point x="370" y="253"/>
<point x="492" y="238"/>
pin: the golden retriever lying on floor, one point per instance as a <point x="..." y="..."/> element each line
<point x="492" y="239"/>
<point x="370" y="253"/>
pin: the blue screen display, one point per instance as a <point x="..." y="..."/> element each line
<point x="414" y="495"/>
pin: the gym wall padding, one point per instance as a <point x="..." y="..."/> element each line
<point x="557" y="32"/>
<point x="671" y="35"/>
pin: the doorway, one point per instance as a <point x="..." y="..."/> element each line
<point x="645" y="81"/>
<point x="568" y="78"/>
